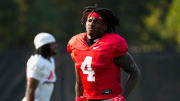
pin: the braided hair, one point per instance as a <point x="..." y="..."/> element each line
<point x="45" y="51"/>
<point x="106" y="14"/>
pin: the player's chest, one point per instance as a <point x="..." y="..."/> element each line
<point x="98" y="53"/>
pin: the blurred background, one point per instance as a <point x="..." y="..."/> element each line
<point x="151" y="28"/>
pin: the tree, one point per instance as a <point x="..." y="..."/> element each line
<point x="172" y="21"/>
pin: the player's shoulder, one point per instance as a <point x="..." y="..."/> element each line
<point x="113" y="37"/>
<point x="76" y="38"/>
<point x="76" y="42"/>
<point x="37" y="60"/>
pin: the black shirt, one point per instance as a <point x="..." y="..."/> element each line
<point x="91" y="41"/>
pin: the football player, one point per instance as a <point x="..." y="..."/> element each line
<point x="40" y="69"/>
<point x="100" y="55"/>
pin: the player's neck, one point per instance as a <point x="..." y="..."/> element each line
<point x="47" y="57"/>
<point x="91" y="41"/>
<point x="89" y="37"/>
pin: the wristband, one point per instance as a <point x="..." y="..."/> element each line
<point x="118" y="98"/>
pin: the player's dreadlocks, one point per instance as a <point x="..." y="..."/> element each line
<point x="106" y="14"/>
<point x="44" y="51"/>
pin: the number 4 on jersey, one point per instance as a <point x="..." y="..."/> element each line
<point x="87" y="63"/>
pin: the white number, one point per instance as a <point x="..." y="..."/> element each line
<point x="87" y="63"/>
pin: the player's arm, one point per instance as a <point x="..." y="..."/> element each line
<point x="31" y="88"/>
<point x="127" y="63"/>
<point x="78" y="86"/>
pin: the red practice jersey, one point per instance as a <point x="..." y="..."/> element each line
<point x="100" y="76"/>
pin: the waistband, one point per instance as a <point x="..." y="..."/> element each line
<point x="47" y="82"/>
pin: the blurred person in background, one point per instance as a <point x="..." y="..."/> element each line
<point x="40" y="71"/>
<point x="100" y="55"/>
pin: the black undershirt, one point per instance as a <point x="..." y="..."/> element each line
<point x="90" y="42"/>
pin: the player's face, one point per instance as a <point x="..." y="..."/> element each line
<point x="53" y="47"/>
<point x="95" y="27"/>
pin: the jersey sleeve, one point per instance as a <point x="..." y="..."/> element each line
<point x="120" y="47"/>
<point x="69" y="48"/>
<point x="70" y="44"/>
<point x="38" y="72"/>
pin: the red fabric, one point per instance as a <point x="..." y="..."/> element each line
<point x="80" y="99"/>
<point x="118" y="98"/>
<point x="96" y="66"/>
<point x="50" y="75"/>
<point x="95" y="15"/>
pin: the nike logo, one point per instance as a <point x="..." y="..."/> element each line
<point x="96" y="47"/>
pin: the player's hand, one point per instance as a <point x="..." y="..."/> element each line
<point x="118" y="98"/>
<point x="80" y="99"/>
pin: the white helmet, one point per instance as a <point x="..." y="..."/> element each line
<point x="42" y="39"/>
